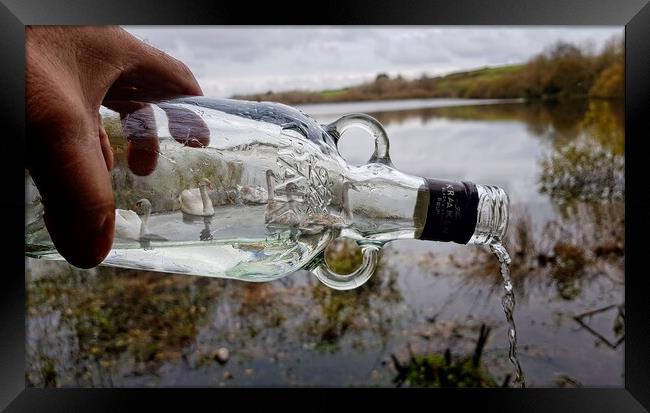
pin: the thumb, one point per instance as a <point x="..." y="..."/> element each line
<point x="150" y="74"/>
<point x="69" y="167"/>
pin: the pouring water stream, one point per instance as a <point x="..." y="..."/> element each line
<point x="508" y="302"/>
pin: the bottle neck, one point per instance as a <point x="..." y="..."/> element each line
<point x="388" y="205"/>
<point x="464" y="213"/>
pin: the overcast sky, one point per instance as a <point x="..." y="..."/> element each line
<point x="229" y="60"/>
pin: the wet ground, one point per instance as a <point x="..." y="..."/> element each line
<point x="430" y="316"/>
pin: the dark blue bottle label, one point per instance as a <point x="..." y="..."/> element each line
<point x="452" y="211"/>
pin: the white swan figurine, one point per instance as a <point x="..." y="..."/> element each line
<point x="196" y="201"/>
<point x="316" y="223"/>
<point x="129" y="225"/>
<point x="276" y="212"/>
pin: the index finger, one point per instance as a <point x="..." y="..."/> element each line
<point x="186" y="126"/>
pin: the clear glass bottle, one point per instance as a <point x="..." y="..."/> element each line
<point x="254" y="191"/>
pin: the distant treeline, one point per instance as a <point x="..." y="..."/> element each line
<point x="563" y="70"/>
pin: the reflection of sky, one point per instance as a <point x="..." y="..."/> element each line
<point x="490" y="152"/>
<point x="326" y="111"/>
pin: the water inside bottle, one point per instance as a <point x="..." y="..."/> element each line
<point x="230" y="244"/>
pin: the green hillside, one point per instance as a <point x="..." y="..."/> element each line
<point x="562" y="71"/>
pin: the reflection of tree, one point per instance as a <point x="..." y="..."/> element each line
<point x="556" y="119"/>
<point x="563" y="253"/>
<point x="552" y="120"/>
<point x="583" y="170"/>
<point x="281" y="320"/>
<point x="103" y="327"/>
<point x="361" y="309"/>
<point x="569" y="268"/>
<point x="106" y="321"/>
<point x="591" y="166"/>
<point x="560" y="121"/>
<point x="604" y="121"/>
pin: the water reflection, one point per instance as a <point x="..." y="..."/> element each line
<point x="87" y="326"/>
<point x="428" y="306"/>
<point x="550" y="120"/>
<point x="565" y="254"/>
<point x="443" y="370"/>
<point x="590" y="167"/>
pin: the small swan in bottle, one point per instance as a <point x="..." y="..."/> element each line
<point x="129" y="225"/>
<point x="275" y="212"/>
<point x="196" y="201"/>
<point x="315" y="223"/>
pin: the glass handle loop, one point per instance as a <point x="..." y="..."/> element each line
<point x="370" y="125"/>
<point x="357" y="278"/>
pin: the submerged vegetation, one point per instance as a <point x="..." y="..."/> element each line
<point x="561" y="71"/>
<point x="444" y="370"/>
<point x="111" y="319"/>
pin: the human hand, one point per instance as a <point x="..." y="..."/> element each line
<point x="140" y="129"/>
<point x="70" y="72"/>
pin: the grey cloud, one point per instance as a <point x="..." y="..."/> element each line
<point x="228" y="60"/>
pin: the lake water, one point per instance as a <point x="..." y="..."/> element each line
<point x="562" y="166"/>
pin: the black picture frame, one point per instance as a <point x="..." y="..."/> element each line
<point x="633" y="14"/>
